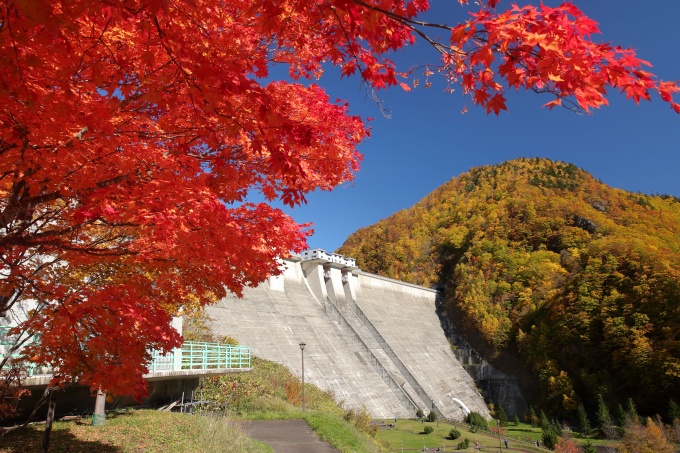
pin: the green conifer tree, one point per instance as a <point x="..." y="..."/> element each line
<point x="631" y="410"/>
<point x="544" y="423"/>
<point x="502" y="416"/>
<point x="549" y="438"/>
<point x="583" y="421"/>
<point x="673" y="411"/>
<point x="622" y="415"/>
<point x="604" y="418"/>
<point x="531" y="417"/>
<point x="589" y="448"/>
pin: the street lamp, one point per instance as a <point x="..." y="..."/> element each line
<point x="500" y="443"/>
<point x="302" y="350"/>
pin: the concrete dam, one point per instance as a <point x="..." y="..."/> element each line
<point x="372" y="341"/>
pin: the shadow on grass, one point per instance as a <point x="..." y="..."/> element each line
<point x="81" y="421"/>
<point x="61" y="441"/>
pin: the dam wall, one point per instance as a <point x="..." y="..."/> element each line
<point x="371" y="341"/>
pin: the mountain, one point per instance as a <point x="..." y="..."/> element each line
<point x="546" y="269"/>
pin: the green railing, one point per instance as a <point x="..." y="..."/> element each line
<point x="202" y="356"/>
<point x="191" y="356"/>
<point x="8" y="341"/>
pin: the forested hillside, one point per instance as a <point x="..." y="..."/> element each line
<point x="540" y="259"/>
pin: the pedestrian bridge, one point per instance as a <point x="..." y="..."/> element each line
<point x="192" y="360"/>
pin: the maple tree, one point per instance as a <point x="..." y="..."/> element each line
<point x="567" y="445"/>
<point x="133" y="131"/>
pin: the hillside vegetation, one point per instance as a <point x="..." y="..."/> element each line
<point x="269" y="392"/>
<point x="542" y="261"/>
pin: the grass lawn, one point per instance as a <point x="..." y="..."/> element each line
<point x="525" y="431"/>
<point x="409" y="435"/>
<point x="136" y="431"/>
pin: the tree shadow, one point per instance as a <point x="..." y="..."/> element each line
<point x="61" y="441"/>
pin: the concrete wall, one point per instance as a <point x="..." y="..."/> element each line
<point x="372" y="341"/>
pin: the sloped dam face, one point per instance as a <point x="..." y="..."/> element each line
<point x="372" y="341"/>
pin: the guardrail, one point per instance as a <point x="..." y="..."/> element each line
<point x="201" y="356"/>
<point x="191" y="356"/>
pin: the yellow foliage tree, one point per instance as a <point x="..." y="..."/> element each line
<point x="647" y="438"/>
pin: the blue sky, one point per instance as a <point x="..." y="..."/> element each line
<point x="428" y="141"/>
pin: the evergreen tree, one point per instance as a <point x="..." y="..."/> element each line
<point x="502" y="416"/>
<point x="531" y="417"/>
<point x="604" y="418"/>
<point x="544" y="423"/>
<point x="475" y="419"/>
<point x="549" y="437"/>
<point x="621" y="415"/>
<point x="631" y="410"/>
<point x="556" y="427"/>
<point x="516" y="420"/>
<point x="588" y="448"/>
<point x="583" y="421"/>
<point x="673" y="411"/>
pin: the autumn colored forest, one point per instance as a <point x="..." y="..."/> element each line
<point x="544" y="267"/>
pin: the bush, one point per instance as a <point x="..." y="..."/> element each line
<point x="454" y="434"/>
<point x="419" y="413"/>
<point x="475" y="420"/>
<point x="464" y="445"/>
<point x="431" y="416"/>
<point x="428" y="429"/>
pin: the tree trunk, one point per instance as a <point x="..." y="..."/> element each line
<point x="51" y="406"/>
<point x="99" y="409"/>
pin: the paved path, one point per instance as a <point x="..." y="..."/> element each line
<point x="287" y="436"/>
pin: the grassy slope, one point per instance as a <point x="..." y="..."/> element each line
<point x="270" y="392"/>
<point x="136" y="431"/>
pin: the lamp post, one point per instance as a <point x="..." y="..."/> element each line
<point x="500" y="443"/>
<point x="302" y="350"/>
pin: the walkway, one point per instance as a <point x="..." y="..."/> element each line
<point x="287" y="436"/>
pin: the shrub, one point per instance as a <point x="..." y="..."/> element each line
<point x="419" y="413"/>
<point x="464" y="444"/>
<point x="454" y="434"/>
<point x="475" y="420"/>
<point x="428" y="429"/>
<point x="431" y="416"/>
